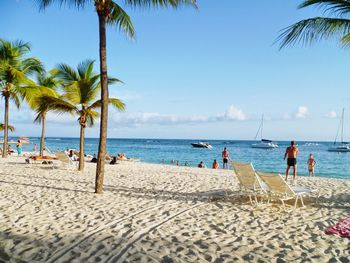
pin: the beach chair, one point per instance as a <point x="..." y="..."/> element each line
<point x="65" y="160"/>
<point x="280" y="190"/>
<point x="249" y="183"/>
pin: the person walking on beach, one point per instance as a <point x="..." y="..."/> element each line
<point x="35" y="148"/>
<point x="292" y="153"/>
<point x="225" y="157"/>
<point x="311" y="164"/>
<point x="19" y="147"/>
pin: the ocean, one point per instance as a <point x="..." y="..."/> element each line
<point x="329" y="164"/>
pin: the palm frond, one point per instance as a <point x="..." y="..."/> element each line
<point x="161" y="3"/>
<point x="15" y="98"/>
<point x="58" y="105"/>
<point x="346" y="40"/>
<point x="91" y="115"/>
<point x="43" y="4"/>
<point x="10" y="127"/>
<point x="85" y="68"/>
<point x="66" y="73"/>
<point x="118" y="104"/>
<point x="120" y="19"/>
<point x="114" y="80"/>
<point x="312" y="30"/>
<point x="32" y="65"/>
<point x="336" y="7"/>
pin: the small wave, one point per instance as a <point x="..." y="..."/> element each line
<point x="53" y="139"/>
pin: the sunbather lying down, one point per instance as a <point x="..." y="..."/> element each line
<point x="44" y="157"/>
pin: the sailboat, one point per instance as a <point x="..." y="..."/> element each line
<point x="263" y="143"/>
<point x="343" y="147"/>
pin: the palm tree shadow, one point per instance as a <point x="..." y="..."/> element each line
<point x="164" y="195"/>
<point x="47" y="187"/>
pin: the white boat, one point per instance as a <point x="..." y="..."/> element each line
<point x="343" y="146"/>
<point x="263" y="143"/>
<point x="201" y="145"/>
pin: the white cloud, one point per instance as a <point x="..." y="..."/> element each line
<point x="140" y="118"/>
<point x="233" y="114"/>
<point x="331" y="115"/>
<point x="302" y="112"/>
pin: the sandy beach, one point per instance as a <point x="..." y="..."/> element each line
<point x="159" y="213"/>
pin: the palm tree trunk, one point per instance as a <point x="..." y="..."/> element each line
<point x="42" y="139"/>
<point x="104" y="108"/>
<point x="6" y="124"/>
<point x="81" y="149"/>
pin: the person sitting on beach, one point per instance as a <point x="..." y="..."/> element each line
<point x="72" y="156"/>
<point x="114" y="160"/>
<point x="292" y="153"/>
<point x="215" y="165"/>
<point x="19" y="147"/>
<point x="311" y="164"/>
<point x="94" y="159"/>
<point x="121" y="156"/>
<point x="9" y="149"/>
<point x="201" y="165"/>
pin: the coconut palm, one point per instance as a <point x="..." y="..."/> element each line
<point x="46" y="84"/>
<point x="81" y="87"/>
<point x="111" y="13"/>
<point x="15" y="68"/>
<point x="311" y="30"/>
<point x="10" y="127"/>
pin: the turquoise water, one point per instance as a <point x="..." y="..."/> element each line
<point x="329" y="164"/>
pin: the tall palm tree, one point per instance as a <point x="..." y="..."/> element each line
<point x="311" y="30"/>
<point x="15" y="68"/>
<point x="80" y="91"/>
<point x="110" y="12"/>
<point x="46" y="84"/>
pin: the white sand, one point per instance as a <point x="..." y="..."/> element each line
<point x="159" y="213"/>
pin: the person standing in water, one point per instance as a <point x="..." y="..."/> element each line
<point x="292" y="153"/>
<point x="311" y="162"/>
<point x="225" y="156"/>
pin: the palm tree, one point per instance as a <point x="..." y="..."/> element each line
<point x="109" y="12"/>
<point x="46" y="84"/>
<point x="79" y="98"/>
<point x="14" y="71"/>
<point x="311" y="30"/>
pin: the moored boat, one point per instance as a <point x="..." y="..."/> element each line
<point x="263" y="143"/>
<point x="343" y="147"/>
<point x="201" y="145"/>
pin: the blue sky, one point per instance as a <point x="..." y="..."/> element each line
<point x="209" y="73"/>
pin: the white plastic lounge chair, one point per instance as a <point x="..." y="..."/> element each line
<point x="280" y="190"/>
<point x="65" y="160"/>
<point x="249" y="183"/>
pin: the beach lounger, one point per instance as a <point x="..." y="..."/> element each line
<point x="65" y="160"/>
<point x="280" y="190"/>
<point x="249" y="183"/>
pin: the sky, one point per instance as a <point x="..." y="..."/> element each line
<point x="194" y="74"/>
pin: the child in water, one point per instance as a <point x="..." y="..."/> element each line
<point x="311" y="164"/>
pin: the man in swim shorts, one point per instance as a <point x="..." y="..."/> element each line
<point x="292" y="153"/>
<point x="225" y="156"/>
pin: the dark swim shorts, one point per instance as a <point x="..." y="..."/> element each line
<point x="225" y="160"/>
<point x="291" y="161"/>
